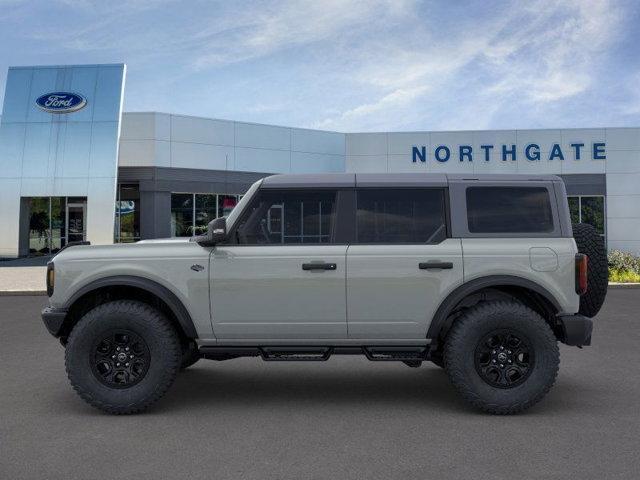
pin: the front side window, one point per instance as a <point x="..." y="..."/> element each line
<point x="509" y="210"/>
<point x="288" y="217"/>
<point x="400" y="216"/>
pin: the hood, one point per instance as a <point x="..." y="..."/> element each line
<point x="120" y="250"/>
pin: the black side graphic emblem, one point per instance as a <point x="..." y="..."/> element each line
<point x="197" y="267"/>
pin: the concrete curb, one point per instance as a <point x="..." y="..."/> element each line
<point x="624" y="285"/>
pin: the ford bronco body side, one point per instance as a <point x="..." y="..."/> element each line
<point x="481" y="275"/>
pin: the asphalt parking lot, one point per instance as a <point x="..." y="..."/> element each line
<point x="345" y="418"/>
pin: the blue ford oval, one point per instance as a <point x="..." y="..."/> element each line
<point x="61" y="102"/>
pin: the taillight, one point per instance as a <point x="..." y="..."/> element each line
<point x="51" y="278"/>
<point x="581" y="273"/>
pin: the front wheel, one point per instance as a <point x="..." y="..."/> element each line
<point x="122" y="356"/>
<point x="502" y="357"/>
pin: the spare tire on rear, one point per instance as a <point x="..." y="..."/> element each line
<point x="591" y="244"/>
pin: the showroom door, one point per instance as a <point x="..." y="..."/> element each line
<point x="283" y="275"/>
<point x="76" y="221"/>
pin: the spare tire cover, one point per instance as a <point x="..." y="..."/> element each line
<point x="592" y="245"/>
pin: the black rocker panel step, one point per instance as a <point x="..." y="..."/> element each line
<point x="395" y="354"/>
<point x="295" y="354"/>
<point x="317" y="353"/>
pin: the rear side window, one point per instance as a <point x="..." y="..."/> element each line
<point x="509" y="210"/>
<point x="401" y="216"/>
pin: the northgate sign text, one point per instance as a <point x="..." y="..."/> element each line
<point x="577" y="151"/>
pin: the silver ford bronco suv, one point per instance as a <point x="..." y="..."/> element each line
<point x="481" y="275"/>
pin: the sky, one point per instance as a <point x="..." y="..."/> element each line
<point x="351" y="65"/>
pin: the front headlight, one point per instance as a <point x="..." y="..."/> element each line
<point x="51" y="278"/>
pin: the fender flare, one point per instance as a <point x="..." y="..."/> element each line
<point x="154" y="288"/>
<point x="477" y="284"/>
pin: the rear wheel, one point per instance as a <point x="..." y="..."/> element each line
<point x="591" y="244"/>
<point x="502" y="357"/>
<point x="122" y="356"/>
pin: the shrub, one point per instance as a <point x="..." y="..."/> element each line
<point x="620" y="276"/>
<point x="623" y="267"/>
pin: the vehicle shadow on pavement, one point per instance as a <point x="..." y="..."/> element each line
<point x="250" y="385"/>
<point x="300" y="386"/>
<point x="206" y="387"/>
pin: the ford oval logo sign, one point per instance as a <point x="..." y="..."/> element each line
<point x="61" y="102"/>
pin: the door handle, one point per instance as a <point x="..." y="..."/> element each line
<point x="435" y="265"/>
<point x="319" y="266"/>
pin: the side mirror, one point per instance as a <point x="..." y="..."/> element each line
<point x="217" y="230"/>
<point x="216" y="233"/>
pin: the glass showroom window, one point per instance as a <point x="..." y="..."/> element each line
<point x="127" y="227"/>
<point x="226" y="203"/>
<point x="205" y="211"/>
<point x="181" y="214"/>
<point x="39" y="226"/>
<point x="191" y="212"/>
<point x="588" y="209"/>
<point x="55" y="221"/>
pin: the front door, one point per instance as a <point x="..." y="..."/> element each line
<point x="402" y="265"/>
<point x="282" y="276"/>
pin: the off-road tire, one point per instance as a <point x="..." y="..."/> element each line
<point x="190" y="355"/>
<point x="592" y="244"/>
<point x="468" y="332"/>
<point x="164" y="356"/>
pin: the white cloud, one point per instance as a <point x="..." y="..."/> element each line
<point x="398" y="98"/>
<point x="283" y="25"/>
<point x="550" y="57"/>
<point x="533" y="54"/>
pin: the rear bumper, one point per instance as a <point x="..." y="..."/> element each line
<point x="53" y="319"/>
<point x="575" y="330"/>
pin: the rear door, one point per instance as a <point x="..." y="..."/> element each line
<point x="402" y="263"/>
<point x="284" y="276"/>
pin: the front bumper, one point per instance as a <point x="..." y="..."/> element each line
<point x="575" y="330"/>
<point x="53" y="319"/>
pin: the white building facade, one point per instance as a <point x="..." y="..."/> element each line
<point x="175" y="173"/>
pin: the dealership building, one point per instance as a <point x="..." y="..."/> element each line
<point x="74" y="166"/>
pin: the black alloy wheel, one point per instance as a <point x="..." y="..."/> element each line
<point x="120" y="359"/>
<point x="504" y="358"/>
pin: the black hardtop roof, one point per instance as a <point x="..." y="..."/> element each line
<point x="344" y="180"/>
